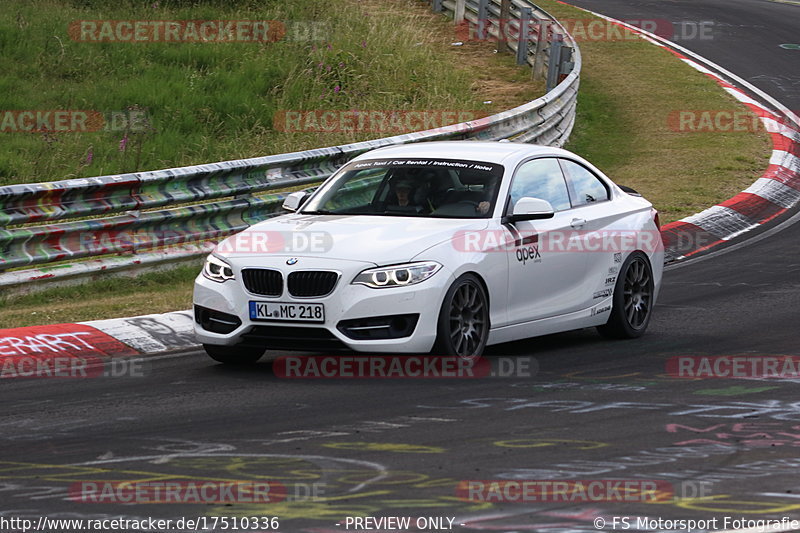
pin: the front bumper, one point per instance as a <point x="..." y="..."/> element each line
<point x="347" y="307"/>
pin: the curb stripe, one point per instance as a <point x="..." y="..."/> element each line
<point x="753" y="206"/>
<point x="683" y="239"/>
<point x="723" y="222"/>
<point x="784" y="158"/>
<point x="783" y="175"/>
<point x="774" y="192"/>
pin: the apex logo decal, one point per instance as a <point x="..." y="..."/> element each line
<point x="529" y="253"/>
<point x="618" y="257"/>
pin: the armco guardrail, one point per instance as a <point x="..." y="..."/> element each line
<point x="85" y="227"/>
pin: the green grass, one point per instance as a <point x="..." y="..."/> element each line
<point x="154" y="292"/>
<point x="209" y="102"/>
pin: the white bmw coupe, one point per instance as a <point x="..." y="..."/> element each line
<point x="441" y="247"/>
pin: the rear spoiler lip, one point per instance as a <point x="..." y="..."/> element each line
<point x="628" y="190"/>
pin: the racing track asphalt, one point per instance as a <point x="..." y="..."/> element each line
<point x="595" y="409"/>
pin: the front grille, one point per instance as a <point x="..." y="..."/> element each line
<point x="308" y="283"/>
<point x="263" y="281"/>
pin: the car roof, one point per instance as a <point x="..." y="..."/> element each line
<point x="488" y="151"/>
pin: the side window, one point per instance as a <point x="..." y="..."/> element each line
<point x="541" y="178"/>
<point x="585" y="186"/>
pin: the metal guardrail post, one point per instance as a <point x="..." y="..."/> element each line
<point x="483" y="18"/>
<point x="526" y="15"/>
<point x="554" y="63"/>
<point x="437" y="6"/>
<point x="458" y="16"/>
<point x="503" y="44"/>
<point x="566" y="64"/>
<point x="543" y="28"/>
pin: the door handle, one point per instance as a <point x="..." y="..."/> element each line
<point x="577" y="223"/>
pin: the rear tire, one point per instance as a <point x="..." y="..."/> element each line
<point x="234" y="355"/>
<point x="632" y="303"/>
<point x="463" y="326"/>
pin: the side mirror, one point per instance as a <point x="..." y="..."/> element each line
<point x="528" y="208"/>
<point x="294" y="200"/>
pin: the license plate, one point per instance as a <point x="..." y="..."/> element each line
<point x="287" y="311"/>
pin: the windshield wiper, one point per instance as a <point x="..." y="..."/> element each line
<point x="318" y="212"/>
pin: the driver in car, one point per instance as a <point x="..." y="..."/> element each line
<point x="402" y="191"/>
<point x="409" y="195"/>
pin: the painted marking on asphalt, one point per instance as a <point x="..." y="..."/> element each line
<point x="384" y="447"/>
<point x="383" y="472"/>
<point x="733" y="391"/>
<point x="541" y="443"/>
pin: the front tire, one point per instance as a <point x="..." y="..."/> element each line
<point x="234" y="355"/>
<point x="463" y="326"/>
<point x="632" y="303"/>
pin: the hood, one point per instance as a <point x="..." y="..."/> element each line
<point x="381" y="240"/>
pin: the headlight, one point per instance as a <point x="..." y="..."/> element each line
<point x="397" y="275"/>
<point x="217" y="270"/>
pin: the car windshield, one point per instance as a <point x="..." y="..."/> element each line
<point x="436" y="188"/>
